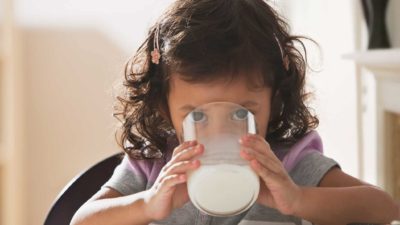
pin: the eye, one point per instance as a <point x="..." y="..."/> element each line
<point x="240" y="114"/>
<point x="198" y="116"/>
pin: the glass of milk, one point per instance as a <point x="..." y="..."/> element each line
<point x="224" y="184"/>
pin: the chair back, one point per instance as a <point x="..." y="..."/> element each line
<point x="80" y="189"/>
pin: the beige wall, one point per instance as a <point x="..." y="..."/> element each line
<point x="68" y="74"/>
<point x="71" y="54"/>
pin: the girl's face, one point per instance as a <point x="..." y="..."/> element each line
<point x="184" y="97"/>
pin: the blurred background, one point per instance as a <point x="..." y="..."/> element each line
<point x="59" y="61"/>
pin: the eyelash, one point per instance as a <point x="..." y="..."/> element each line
<point x="252" y="112"/>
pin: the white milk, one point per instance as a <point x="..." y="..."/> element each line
<point x="223" y="189"/>
<point x="224" y="184"/>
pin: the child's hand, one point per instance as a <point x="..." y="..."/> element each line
<point x="277" y="189"/>
<point x="169" y="190"/>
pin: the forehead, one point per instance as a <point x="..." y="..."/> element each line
<point x="235" y="90"/>
<point x="254" y="78"/>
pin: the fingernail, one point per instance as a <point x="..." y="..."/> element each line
<point x="245" y="142"/>
<point x="246" y="137"/>
<point x="250" y="136"/>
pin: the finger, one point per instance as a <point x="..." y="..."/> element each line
<point x="256" y="142"/>
<point x="259" y="144"/>
<point x="246" y="155"/>
<point x="268" y="176"/>
<point x="171" y="181"/>
<point x="183" y="167"/>
<point x="261" y="171"/>
<point x="183" y="146"/>
<point x="266" y="162"/>
<point x="185" y="155"/>
<point x="188" y="153"/>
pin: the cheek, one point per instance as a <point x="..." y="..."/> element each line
<point x="179" y="132"/>
<point x="261" y="125"/>
<point x="176" y="123"/>
<point x="262" y="120"/>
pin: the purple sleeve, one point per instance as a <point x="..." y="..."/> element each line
<point x="127" y="179"/>
<point x="310" y="143"/>
<point x="149" y="169"/>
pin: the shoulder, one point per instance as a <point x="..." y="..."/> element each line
<point x="133" y="175"/>
<point x="309" y="143"/>
<point x="312" y="169"/>
<point x="150" y="168"/>
<point x="305" y="161"/>
<point x="127" y="179"/>
<point x="309" y="166"/>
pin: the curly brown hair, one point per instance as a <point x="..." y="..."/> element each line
<point x="201" y="39"/>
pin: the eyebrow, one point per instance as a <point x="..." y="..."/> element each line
<point x="246" y="104"/>
<point x="249" y="104"/>
<point x="187" y="108"/>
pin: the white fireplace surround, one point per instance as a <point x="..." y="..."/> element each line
<point x="375" y="99"/>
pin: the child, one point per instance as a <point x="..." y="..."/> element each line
<point x="238" y="51"/>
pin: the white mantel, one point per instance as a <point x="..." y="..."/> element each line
<point x="381" y="59"/>
<point x="385" y="66"/>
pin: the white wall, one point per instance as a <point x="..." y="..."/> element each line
<point x="123" y="21"/>
<point x="331" y="25"/>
